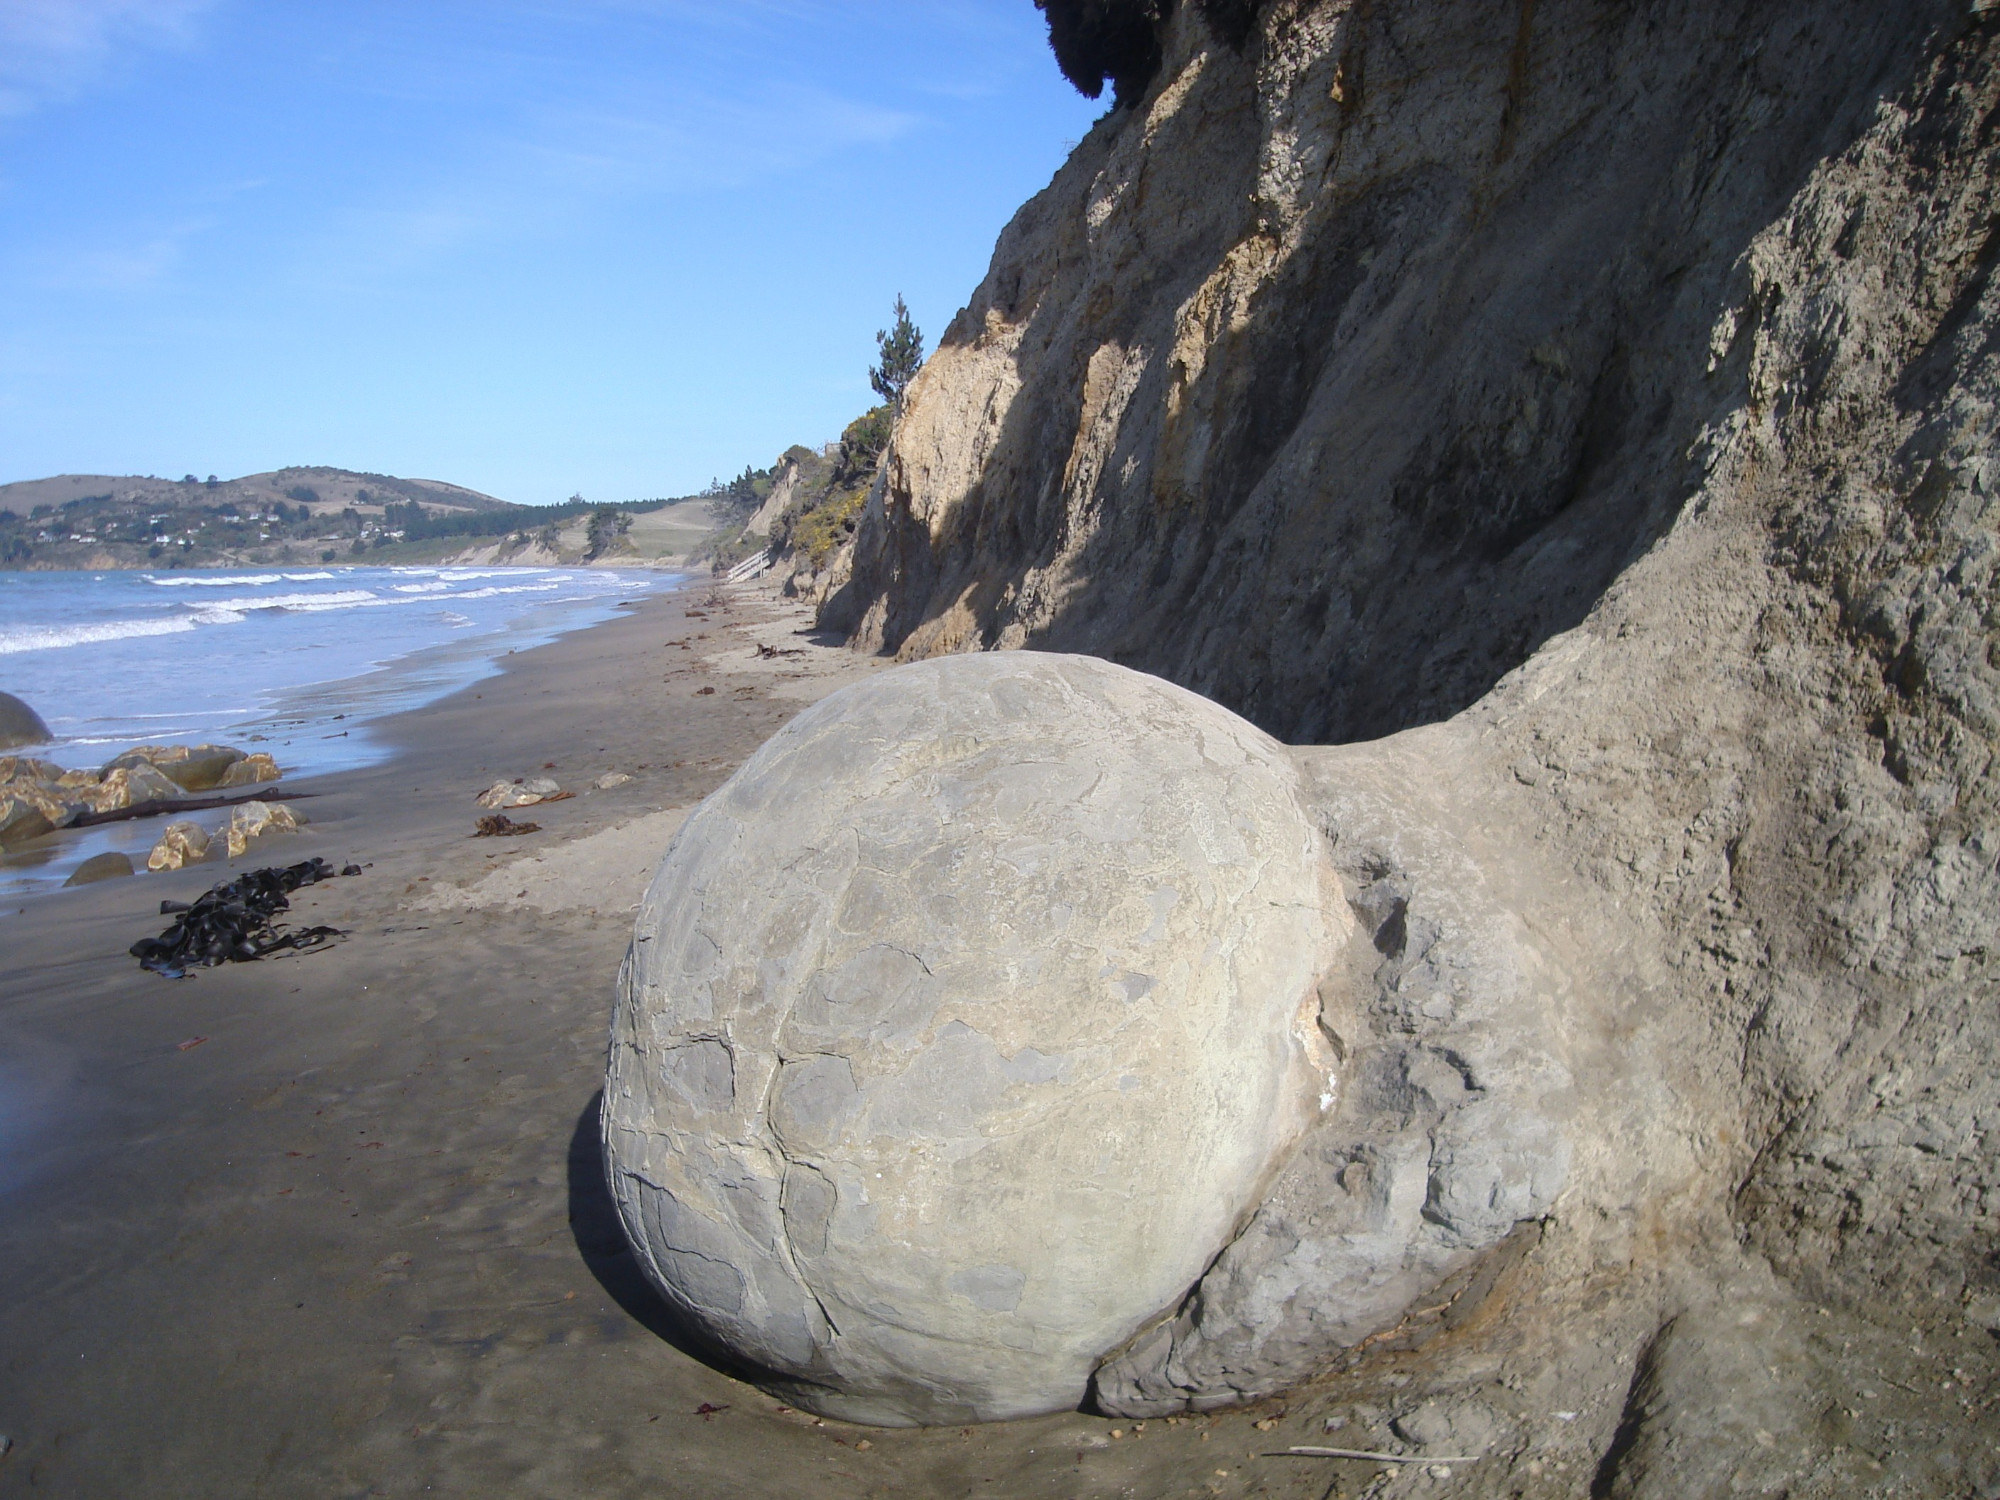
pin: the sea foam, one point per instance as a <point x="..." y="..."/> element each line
<point x="54" y="637"/>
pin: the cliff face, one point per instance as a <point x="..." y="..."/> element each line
<point x="1343" y="372"/>
<point x="1600" y="401"/>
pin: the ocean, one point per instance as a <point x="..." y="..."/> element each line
<point x="297" y="662"/>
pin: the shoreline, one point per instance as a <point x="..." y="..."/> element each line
<point x="465" y="557"/>
<point x="315" y="728"/>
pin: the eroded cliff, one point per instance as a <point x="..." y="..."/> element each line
<point x="1598" y="401"/>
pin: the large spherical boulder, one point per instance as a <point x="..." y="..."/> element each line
<point x="961" y="1028"/>
<point x="20" y="724"/>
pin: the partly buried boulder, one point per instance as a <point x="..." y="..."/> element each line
<point x="182" y="844"/>
<point x="255" y="819"/>
<point x="199" y="768"/>
<point x="110" y="865"/>
<point x="22" y="818"/>
<point x="128" y="786"/>
<point x="30" y="808"/>
<point x="249" y="771"/>
<point x="523" y="793"/>
<point x="962" y="1027"/>
<point x="205" y="766"/>
<point x="28" y="768"/>
<point x="193" y="768"/>
<point x="20" y="724"/>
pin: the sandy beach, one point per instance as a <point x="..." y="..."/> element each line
<point x="334" y="1223"/>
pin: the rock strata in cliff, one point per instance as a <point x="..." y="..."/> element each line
<point x="1582" y="417"/>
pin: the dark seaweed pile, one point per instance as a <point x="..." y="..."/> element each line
<point x="232" y="922"/>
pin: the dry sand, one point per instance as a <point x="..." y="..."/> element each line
<point x="354" y="1239"/>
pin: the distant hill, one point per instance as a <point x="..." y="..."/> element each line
<point x="293" y="516"/>
<point x="313" y="486"/>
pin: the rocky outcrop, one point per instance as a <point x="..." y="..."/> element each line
<point x="826" y="494"/>
<point x="784" y="490"/>
<point x="1589" y="410"/>
<point x="42" y="796"/>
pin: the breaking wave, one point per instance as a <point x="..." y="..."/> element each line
<point x="18" y="638"/>
<point x="54" y="637"/>
<point x="345" y="599"/>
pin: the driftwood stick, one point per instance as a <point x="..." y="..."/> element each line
<point x="161" y="806"/>
<point x="1381" y="1458"/>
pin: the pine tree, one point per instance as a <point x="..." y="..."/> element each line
<point x="902" y="351"/>
<point x="606" y="530"/>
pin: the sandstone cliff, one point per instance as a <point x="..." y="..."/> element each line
<point x="1598" y="402"/>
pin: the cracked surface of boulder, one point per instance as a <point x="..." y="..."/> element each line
<point x="964" y="1025"/>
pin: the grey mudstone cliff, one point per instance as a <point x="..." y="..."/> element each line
<point x="1449" y="1133"/>
<point x="1582" y="418"/>
<point x="967" y="1022"/>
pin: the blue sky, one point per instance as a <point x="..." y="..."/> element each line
<point x="532" y="246"/>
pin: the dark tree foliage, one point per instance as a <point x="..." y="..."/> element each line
<point x="420" y="525"/>
<point x="1096" y="41"/>
<point x="744" y="493"/>
<point x="1118" y="41"/>
<point x="606" y="529"/>
<point x="864" y="439"/>
<point x="902" y="351"/>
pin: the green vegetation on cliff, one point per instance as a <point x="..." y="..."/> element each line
<point x="828" y="498"/>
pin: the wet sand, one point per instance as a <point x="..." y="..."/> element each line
<point x="334" y="1224"/>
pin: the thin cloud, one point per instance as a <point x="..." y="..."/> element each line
<point x="554" y="169"/>
<point x="689" y="142"/>
<point x="122" y="268"/>
<point x="54" y="50"/>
